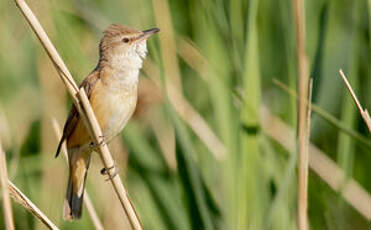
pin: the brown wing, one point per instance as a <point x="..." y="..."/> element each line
<point x="74" y="116"/>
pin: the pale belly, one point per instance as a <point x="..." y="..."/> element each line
<point x="113" y="109"/>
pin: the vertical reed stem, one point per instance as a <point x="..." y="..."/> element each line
<point x="7" y="206"/>
<point x="299" y="13"/>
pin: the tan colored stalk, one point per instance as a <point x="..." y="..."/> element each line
<point x="19" y="197"/>
<point x="167" y="42"/>
<point x="364" y="113"/>
<point x="7" y="205"/>
<point x="169" y="56"/>
<point x="87" y="201"/>
<point x="22" y="199"/>
<point x="299" y="14"/>
<point x="327" y="116"/>
<point x="309" y="113"/>
<point x="303" y="190"/>
<point x="83" y="106"/>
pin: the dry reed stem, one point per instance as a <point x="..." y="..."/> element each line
<point x="326" y="116"/>
<point x="192" y="56"/>
<point x="299" y="14"/>
<point x="309" y="111"/>
<point x="303" y="173"/>
<point x="22" y="199"/>
<point x="167" y="42"/>
<point x="353" y="193"/>
<point x="19" y="197"/>
<point x="197" y="123"/>
<point x="93" y="214"/>
<point x="87" y="201"/>
<point x="169" y="57"/>
<point x="7" y="206"/>
<point x="364" y="113"/>
<point x="85" y="110"/>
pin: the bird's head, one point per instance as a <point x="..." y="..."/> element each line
<point x="122" y="46"/>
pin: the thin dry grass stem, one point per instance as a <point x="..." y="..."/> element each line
<point x="7" y="206"/>
<point x="93" y="214"/>
<point x="299" y="13"/>
<point x="326" y="116"/>
<point x="197" y="123"/>
<point x="192" y="56"/>
<point x="189" y="114"/>
<point x="303" y="173"/>
<point x="22" y="199"/>
<point x="83" y="106"/>
<point x="19" y="197"/>
<point x="364" y="113"/>
<point x="321" y="164"/>
<point x="309" y="112"/>
<point x="87" y="201"/>
<point x="167" y="41"/>
<point x="169" y="57"/>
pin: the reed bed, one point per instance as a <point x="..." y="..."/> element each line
<point x="226" y="135"/>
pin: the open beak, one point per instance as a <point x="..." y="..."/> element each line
<point x="147" y="33"/>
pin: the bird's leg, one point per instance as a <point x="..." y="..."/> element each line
<point x="104" y="171"/>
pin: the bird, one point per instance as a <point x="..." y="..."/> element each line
<point x="112" y="91"/>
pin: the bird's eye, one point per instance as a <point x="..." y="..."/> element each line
<point x="126" y="40"/>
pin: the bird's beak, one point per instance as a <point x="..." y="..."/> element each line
<point x="147" y="33"/>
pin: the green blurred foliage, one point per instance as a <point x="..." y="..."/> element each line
<point x="246" y="43"/>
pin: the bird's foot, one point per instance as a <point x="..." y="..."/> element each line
<point x="99" y="144"/>
<point x="104" y="171"/>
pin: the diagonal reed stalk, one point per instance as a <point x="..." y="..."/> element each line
<point x="9" y="188"/>
<point x="83" y="106"/>
<point x="22" y="199"/>
<point x="7" y="206"/>
<point x="189" y="114"/>
<point x="87" y="201"/>
<point x="364" y="113"/>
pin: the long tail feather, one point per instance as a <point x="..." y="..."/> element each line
<point x="72" y="208"/>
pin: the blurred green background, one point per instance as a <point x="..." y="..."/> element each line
<point x="201" y="154"/>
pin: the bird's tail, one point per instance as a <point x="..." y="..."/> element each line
<point x="79" y="165"/>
